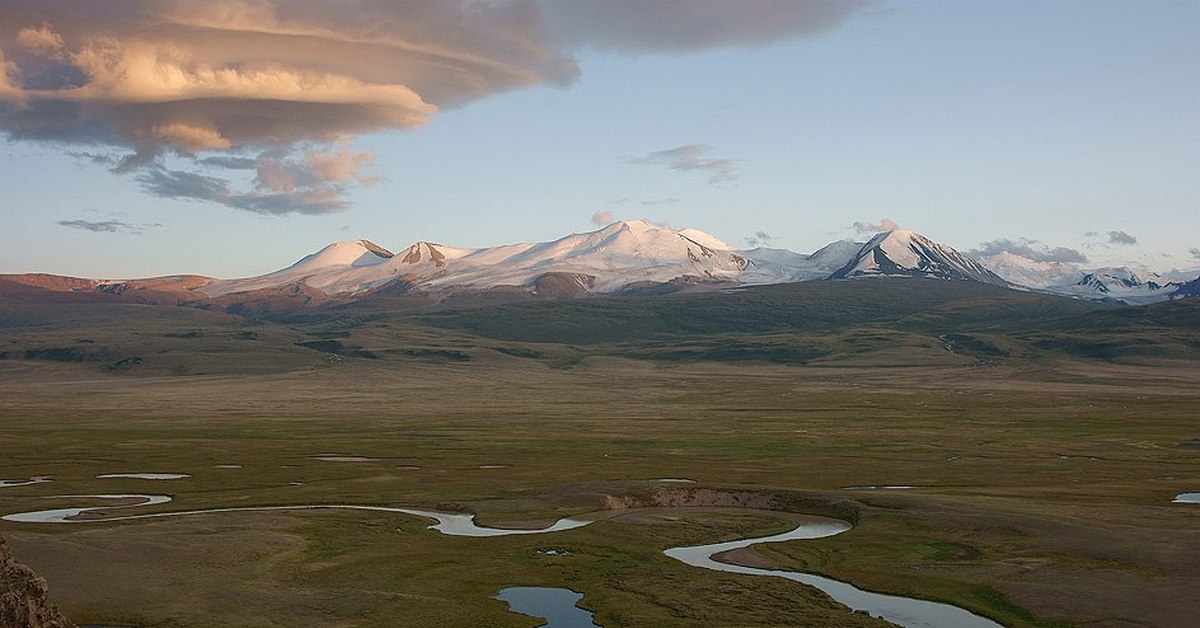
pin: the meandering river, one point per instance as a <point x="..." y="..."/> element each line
<point x="451" y="524"/>
<point x="908" y="612"/>
<point x="904" y="611"/>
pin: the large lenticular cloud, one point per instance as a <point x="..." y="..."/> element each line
<point x="275" y="84"/>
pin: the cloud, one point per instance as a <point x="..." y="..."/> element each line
<point x="229" y="162"/>
<point x="691" y="157"/>
<point x="1122" y="238"/>
<point x="282" y="192"/>
<point x="1195" y="252"/>
<point x="106" y="226"/>
<point x="312" y="182"/>
<point x="681" y="26"/>
<point x="759" y="237"/>
<point x="1031" y="249"/>
<point x="154" y="80"/>
<point x="41" y="40"/>
<point x="602" y="218"/>
<point x="883" y="225"/>
<point x="670" y="200"/>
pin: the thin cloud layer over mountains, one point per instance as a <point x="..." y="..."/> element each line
<point x="1030" y="249"/>
<point x="277" y="88"/>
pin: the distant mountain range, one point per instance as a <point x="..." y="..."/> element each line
<point x="624" y="257"/>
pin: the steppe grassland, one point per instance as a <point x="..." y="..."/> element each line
<point x="1042" y="482"/>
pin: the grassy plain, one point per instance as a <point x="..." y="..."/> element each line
<point x="1045" y="470"/>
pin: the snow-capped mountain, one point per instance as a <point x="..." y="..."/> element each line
<point x="1122" y="284"/>
<point x="620" y="255"/>
<point x="784" y="266"/>
<point x="1187" y="290"/>
<point x="1023" y="271"/>
<point x="626" y="255"/>
<point x="902" y="253"/>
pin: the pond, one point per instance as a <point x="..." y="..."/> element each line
<point x="556" y="606"/>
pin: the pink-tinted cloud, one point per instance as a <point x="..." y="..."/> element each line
<point x="157" y="79"/>
<point x="887" y="224"/>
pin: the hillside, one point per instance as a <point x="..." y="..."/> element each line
<point x="880" y="321"/>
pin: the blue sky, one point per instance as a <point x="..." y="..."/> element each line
<point x="1057" y="121"/>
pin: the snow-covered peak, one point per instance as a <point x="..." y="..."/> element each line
<point x="344" y="253"/>
<point x="901" y="246"/>
<point x="903" y="253"/>
<point x="636" y="225"/>
<point x="704" y="239"/>
<point x="1024" y="271"/>
<point x="835" y="254"/>
<point x="429" y="252"/>
<point x="1109" y="279"/>
<point x="619" y="254"/>
<point x="1121" y="284"/>
<point x="767" y="255"/>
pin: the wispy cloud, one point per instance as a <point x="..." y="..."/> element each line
<point x="887" y="224"/>
<point x="106" y="226"/>
<point x="1121" y="238"/>
<point x="215" y="81"/>
<point x="194" y="186"/>
<point x="602" y="218"/>
<point x="1195" y="253"/>
<point x="760" y="237"/>
<point x="670" y="200"/>
<point x="312" y="183"/>
<point x="1031" y="249"/>
<point x="691" y="157"/>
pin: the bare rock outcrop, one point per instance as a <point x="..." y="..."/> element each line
<point x="24" y="599"/>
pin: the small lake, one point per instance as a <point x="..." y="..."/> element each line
<point x="556" y="606"/>
<point x="1187" y="498"/>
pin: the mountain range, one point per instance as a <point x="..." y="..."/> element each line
<point x="633" y="256"/>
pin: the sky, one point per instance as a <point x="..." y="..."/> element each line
<point x="232" y="137"/>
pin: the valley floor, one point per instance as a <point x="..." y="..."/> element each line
<point x="1043" y="490"/>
